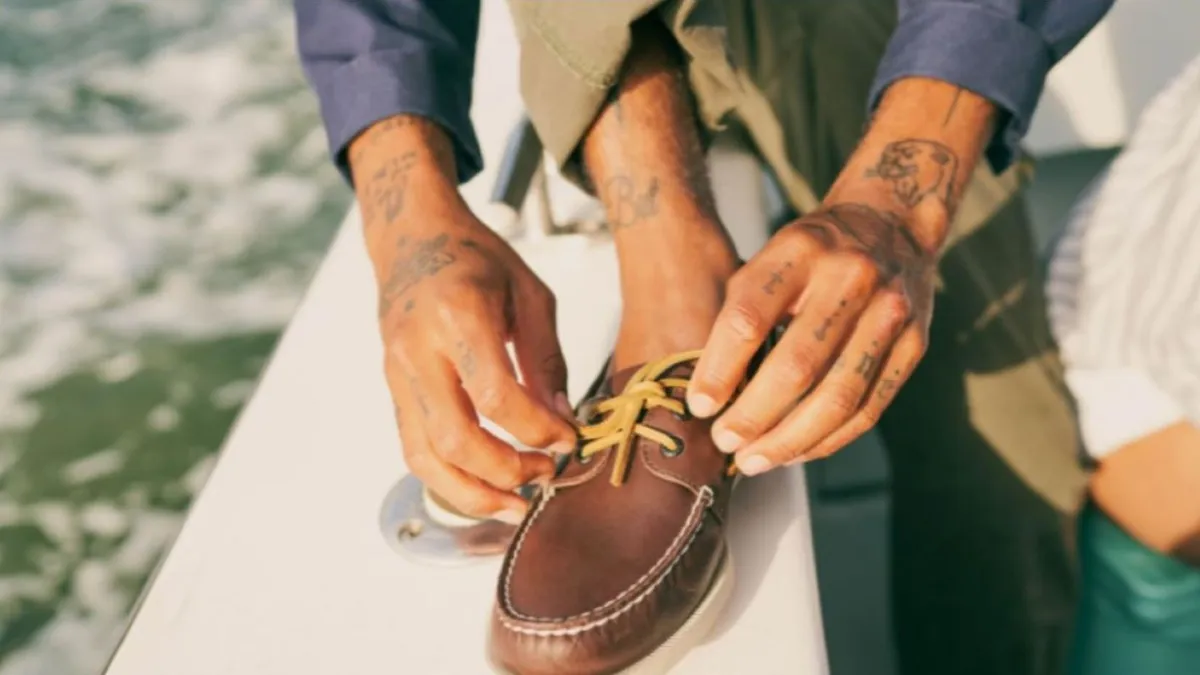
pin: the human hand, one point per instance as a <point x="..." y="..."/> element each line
<point x="859" y="293"/>
<point x="856" y="280"/>
<point x="452" y="296"/>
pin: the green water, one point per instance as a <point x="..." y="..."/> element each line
<point x="164" y="198"/>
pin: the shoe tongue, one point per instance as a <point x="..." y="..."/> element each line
<point x="618" y="380"/>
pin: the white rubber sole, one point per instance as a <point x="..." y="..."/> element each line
<point x="691" y="634"/>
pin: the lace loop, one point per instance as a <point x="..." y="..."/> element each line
<point x="619" y="429"/>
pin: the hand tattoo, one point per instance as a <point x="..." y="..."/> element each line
<point x="821" y="332"/>
<point x="866" y="364"/>
<point x="917" y="168"/>
<point x="466" y="360"/>
<point x="775" y="280"/>
<point x="882" y="236"/>
<point x="888" y="386"/>
<point x="429" y="258"/>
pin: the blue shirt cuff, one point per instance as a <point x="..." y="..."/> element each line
<point x="993" y="55"/>
<point x="387" y="82"/>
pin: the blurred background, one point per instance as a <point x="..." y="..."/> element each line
<point x="165" y="195"/>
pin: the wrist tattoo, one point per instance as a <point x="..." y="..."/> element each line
<point x="775" y="279"/>
<point x="626" y="205"/>
<point x="917" y="168"/>
<point x="882" y="236"/>
<point x="383" y="194"/>
<point x="953" y="104"/>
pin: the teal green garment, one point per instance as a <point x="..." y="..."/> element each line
<point x="1139" y="610"/>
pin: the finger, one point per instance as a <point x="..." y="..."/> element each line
<point x="539" y="354"/>
<point x="840" y="393"/>
<point x="452" y="427"/>
<point x="487" y="373"/>
<point x="905" y="356"/>
<point x="467" y="495"/>
<point x="757" y="297"/>
<point x="829" y="311"/>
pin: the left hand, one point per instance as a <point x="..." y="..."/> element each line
<point x="858" y="289"/>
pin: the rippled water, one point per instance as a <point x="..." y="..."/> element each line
<point x="164" y="197"/>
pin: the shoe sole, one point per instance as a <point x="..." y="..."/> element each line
<point x="694" y="632"/>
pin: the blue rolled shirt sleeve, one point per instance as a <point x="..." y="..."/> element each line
<point x="999" y="49"/>
<point x="371" y="59"/>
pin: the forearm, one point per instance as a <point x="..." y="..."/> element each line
<point x="917" y="156"/>
<point x="402" y="167"/>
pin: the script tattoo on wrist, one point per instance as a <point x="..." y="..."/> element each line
<point x="383" y="194"/>
<point x="917" y="168"/>
<point x="627" y="206"/>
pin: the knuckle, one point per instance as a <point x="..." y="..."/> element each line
<point x="746" y="321"/>
<point x="866" y="420"/>
<point x="508" y="478"/>
<point x="842" y="399"/>
<point x="398" y="361"/>
<point x="453" y="446"/>
<point x="418" y="462"/>
<point x="859" y="268"/>
<point x="895" y="307"/>
<point x="476" y="502"/>
<point x="489" y="397"/>
<point x="745" y="426"/>
<point x="798" y="365"/>
<point x="739" y="283"/>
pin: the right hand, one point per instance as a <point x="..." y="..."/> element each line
<point x="452" y="295"/>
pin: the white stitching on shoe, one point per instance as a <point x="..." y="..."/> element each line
<point x="705" y="499"/>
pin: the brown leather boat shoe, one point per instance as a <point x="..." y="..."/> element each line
<point x="621" y="564"/>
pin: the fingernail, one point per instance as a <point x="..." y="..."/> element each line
<point x="727" y="441"/>
<point x="562" y="448"/>
<point x="701" y="405"/>
<point x="563" y="405"/>
<point x="754" y="464"/>
<point x="510" y="516"/>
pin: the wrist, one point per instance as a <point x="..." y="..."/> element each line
<point x="927" y="220"/>
<point x="918" y="155"/>
<point x="400" y="165"/>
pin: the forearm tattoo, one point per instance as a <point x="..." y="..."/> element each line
<point x="916" y="169"/>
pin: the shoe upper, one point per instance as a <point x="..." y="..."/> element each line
<point x="619" y="550"/>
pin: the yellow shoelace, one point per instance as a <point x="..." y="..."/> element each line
<point x="647" y="389"/>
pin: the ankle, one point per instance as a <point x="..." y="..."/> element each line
<point x="692" y="246"/>
<point x="666" y="310"/>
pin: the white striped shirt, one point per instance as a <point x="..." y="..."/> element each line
<point x="1124" y="282"/>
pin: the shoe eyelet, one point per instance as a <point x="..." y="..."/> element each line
<point x="667" y="452"/>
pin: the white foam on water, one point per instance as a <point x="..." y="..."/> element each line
<point x="114" y="231"/>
